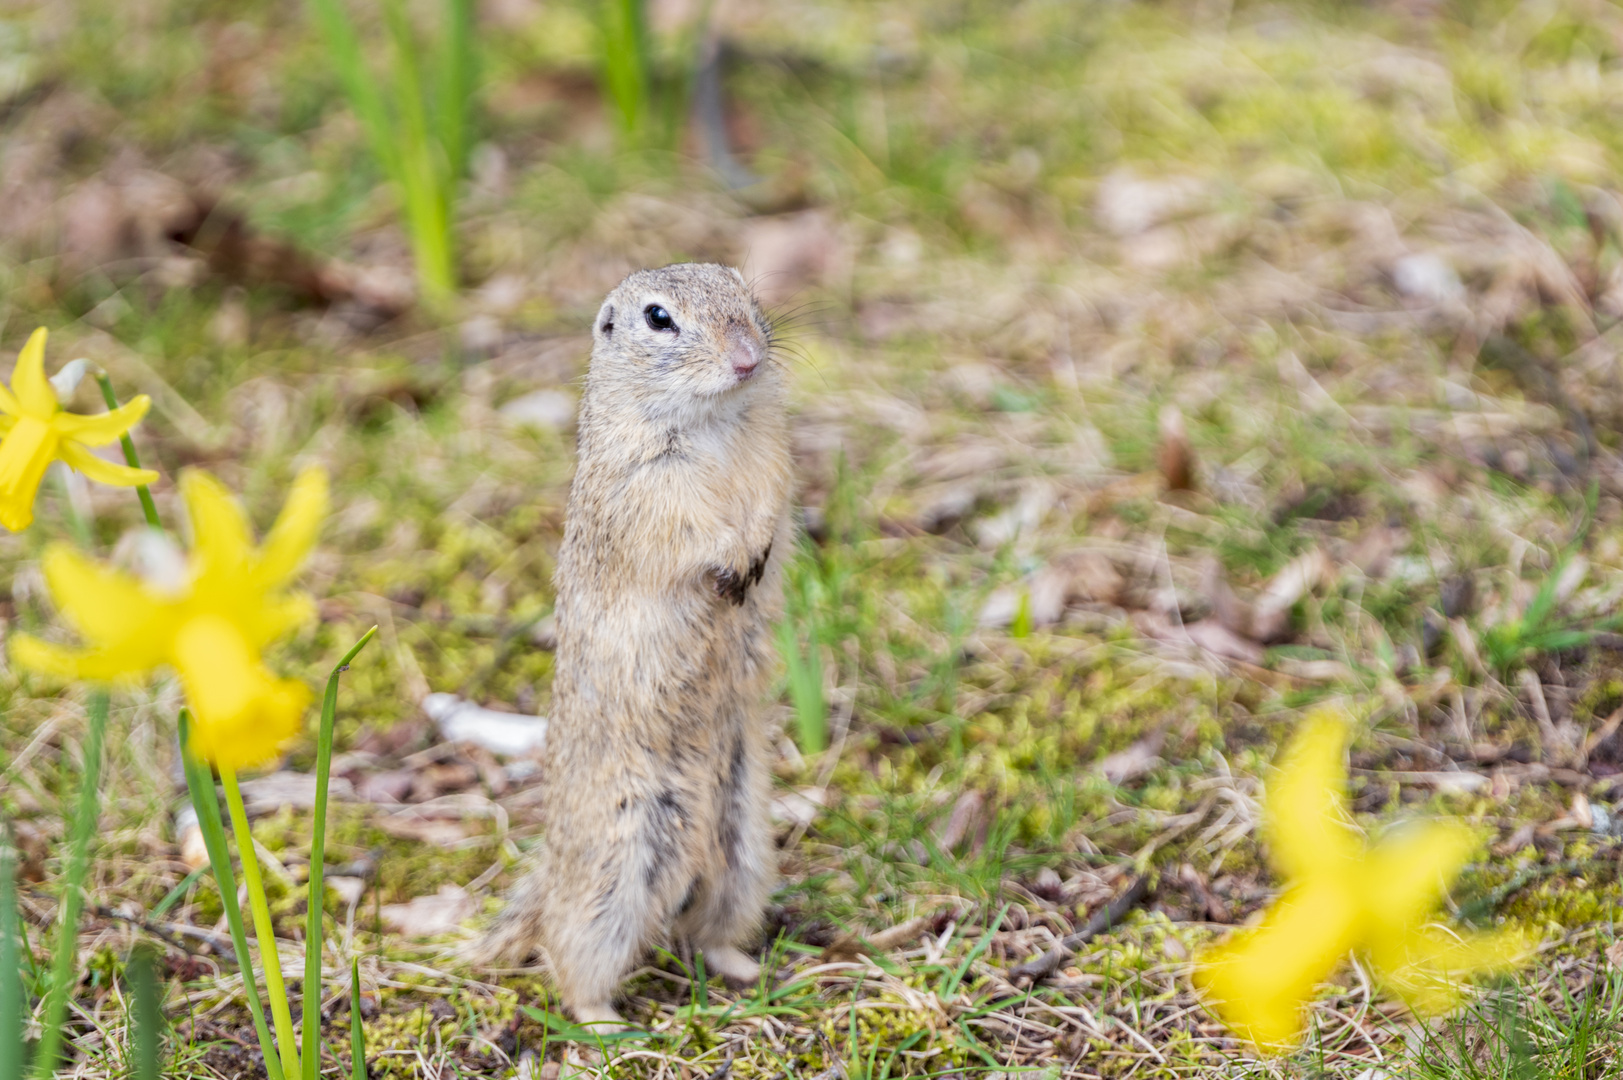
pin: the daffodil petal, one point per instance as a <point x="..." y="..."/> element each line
<point x="24" y="453"/>
<point x="277" y="617"/>
<point x="221" y="540"/>
<point x="1428" y="965"/>
<point x="1261" y="981"/>
<point x="31" y="653"/>
<point x="243" y="714"/>
<point x="104" y="428"/>
<point x="1309" y="830"/>
<point x="289" y="541"/>
<point x="28" y="381"/>
<point x="103" y="471"/>
<point x="1409" y="872"/>
<point x="113" y="611"/>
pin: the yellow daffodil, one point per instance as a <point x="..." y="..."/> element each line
<point x="34" y="431"/>
<point x="1345" y="895"/>
<point x="209" y="625"/>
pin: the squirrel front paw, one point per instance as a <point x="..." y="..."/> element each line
<point x="731" y="585"/>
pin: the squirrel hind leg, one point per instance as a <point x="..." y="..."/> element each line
<point x="732" y="964"/>
<point x="516" y="934"/>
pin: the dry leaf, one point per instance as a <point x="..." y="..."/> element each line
<point x="349" y="889"/>
<point x="437" y="832"/>
<point x="429" y="916"/>
<point x="1219" y="640"/>
<point x="1135" y="761"/>
<point x="798" y="808"/>
<point x="385" y="787"/>
<point x="1176" y="458"/>
<point x="964" y="814"/>
<point x="507" y="734"/>
<point x="268" y="794"/>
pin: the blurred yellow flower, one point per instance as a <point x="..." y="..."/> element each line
<point x="209" y="624"/>
<point x="1342" y="895"/>
<point x="34" y="431"/>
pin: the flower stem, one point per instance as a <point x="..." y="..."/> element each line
<point x="201" y="783"/>
<point x="315" y="893"/>
<point x="64" y="960"/>
<point x="148" y="507"/>
<point x="264" y="930"/>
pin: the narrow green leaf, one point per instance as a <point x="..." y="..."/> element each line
<point x="623" y="28"/>
<point x="357" y="1038"/>
<point x="200" y="783"/>
<point x="11" y="983"/>
<point x="264" y="926"/>
<point x="950" y="987"/>
<point x="361" y="87"/>
<point x="148" y="1013"/>
<point x="64" y="961"/>
<point x="458" y="75"/>
<point x="805" y="671"/>
<point x="569" y="1032"/>
<point x="315" y="888"/>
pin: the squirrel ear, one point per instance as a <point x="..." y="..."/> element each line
<point x="605" y="319"/>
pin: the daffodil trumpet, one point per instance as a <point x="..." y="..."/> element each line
<point x="35" y="431"/>
<point x="1345" y="895"/>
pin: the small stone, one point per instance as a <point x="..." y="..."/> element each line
<point x="1428" y="278"/>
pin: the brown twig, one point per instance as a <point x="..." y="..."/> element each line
<point x="1035" y="971"/>
<point x="173" y="934"/>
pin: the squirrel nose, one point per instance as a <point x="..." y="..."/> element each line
<point x="744" y="354"/>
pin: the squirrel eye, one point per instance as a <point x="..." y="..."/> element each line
<point x="658" y="318"/>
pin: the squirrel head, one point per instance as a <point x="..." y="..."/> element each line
<point x="682" y="340"/>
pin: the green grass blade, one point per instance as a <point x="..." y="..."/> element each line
<point x="950" y="987"/>
<point x="424" y="182"/>
<point x="625" y="61"/>
<point x="11" y="983"/>
<point x="314" y="889"/>
<point x="805" y="689"/>
<point x="64" y="962"/>
<point x="458" y="75"/>
<point x="148" y="1014"/>
<point x="357" y="1038"/>
<point x="148" y="507"/>
<point x="360" y="86"/>
<point x="200" y="783"/>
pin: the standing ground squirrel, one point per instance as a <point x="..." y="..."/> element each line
<point x="669" y="581"/>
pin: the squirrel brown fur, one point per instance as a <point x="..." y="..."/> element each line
<point x="668" y="582"/>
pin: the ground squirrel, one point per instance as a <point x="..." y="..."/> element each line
<point x="669" y="581"/>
